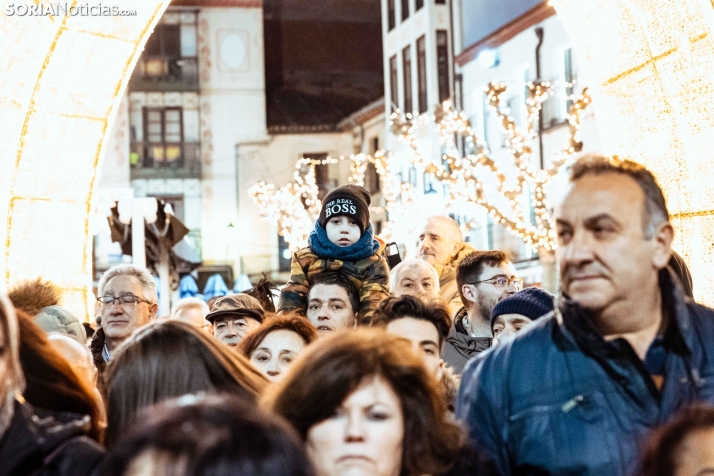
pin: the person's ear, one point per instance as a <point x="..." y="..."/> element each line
<point x="455" y="248"/>
<point x="356" y="319"/>
<point x="440" y="372"/>
<point x="153" y="309"/>
<point x="663" y="238"/>
<point x="468" y="293"/>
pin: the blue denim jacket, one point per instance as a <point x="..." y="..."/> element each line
<point x="559" y="400"/>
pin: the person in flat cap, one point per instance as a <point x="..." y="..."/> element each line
<point x="233" y="316"/>
<point x="518" y="310"/>
<point x="343" y="241"/>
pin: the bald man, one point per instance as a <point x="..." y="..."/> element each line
<point x="193" y="311"/>
<point x="441" y="244"/>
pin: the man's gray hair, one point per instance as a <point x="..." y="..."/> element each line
<point x="654" y="212"/>
<point x="190" y="303"/>
<point x="142" y="274"/>
<point x="412" y="263"/>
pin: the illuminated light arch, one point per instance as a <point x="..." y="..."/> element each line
<point x="651" y="67"/>
<point x="61" y="82"/>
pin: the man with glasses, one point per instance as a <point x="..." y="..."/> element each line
<point x="483" y="279"/>
<point x="127" y="301"/>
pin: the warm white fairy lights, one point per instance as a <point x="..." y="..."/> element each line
<point x="295" y="206"/>
<point x="652" y="66"/>
<point x="60" y="84"/>
<point x="466" y="176"/>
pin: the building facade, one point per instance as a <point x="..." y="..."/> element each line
<point x="510" y="41"/>
<point x="193" y="130"/>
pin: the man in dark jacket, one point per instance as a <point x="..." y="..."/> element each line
<point x="128" y="300"/>
<point x="577" y="392"/>
<point x="484" y="278"/>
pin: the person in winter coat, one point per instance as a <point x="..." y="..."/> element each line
<point x="441" y="244"/>
<point x="484" y="278"/>
<point x="518" y="310"/>
<point x="579" y="390"/>
<point x="343" y="240"/>
<point x="128" y="300"/>
<point x="36" y="442"/>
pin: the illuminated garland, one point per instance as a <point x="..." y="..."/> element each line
<point x="461" y="174"/>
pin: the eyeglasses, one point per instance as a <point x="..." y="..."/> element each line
<point x="502" y="282"/>
<point x="127" y="302"/>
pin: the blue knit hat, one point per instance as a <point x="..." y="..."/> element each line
<point x="530" y="302"/>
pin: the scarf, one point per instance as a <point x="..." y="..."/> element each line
<point x="322" y="246"/>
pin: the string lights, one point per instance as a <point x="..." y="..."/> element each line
<point x="295" y="207"/>
<point x="466" y="176"/>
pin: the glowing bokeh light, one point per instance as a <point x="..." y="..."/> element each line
<point x="651" y="67"/>
<point x="61" y="80"/>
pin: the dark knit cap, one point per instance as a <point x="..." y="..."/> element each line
<point x="348" y="200"/>
<point x="530" y="302"/>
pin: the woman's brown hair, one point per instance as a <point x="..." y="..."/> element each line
<point x="51" y="383"/>
<point x="662" y="454"/>
<point x="288" y="322"/>
<point x="327" y="373"/>
<point x="168" y="359"/>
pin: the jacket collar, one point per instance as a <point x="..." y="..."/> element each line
<point x="577" y="324"/>
<point x="97" y="345"/>
<point x="34" y="434"/>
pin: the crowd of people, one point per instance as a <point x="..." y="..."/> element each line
<point x="442" y="365"/>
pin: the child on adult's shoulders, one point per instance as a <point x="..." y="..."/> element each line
<point x="343" y="241"/>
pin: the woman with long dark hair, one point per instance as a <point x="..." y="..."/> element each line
<point x="365" y="404"/>
<point x="32" y="440"/>
<point x="169" y="359"/>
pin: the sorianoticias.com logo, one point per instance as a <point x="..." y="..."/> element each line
<point x="65" y="9"/>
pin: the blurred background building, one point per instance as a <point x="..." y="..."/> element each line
<point x="228" y="93"/>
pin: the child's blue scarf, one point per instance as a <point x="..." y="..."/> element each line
<point x="324" y="248"/>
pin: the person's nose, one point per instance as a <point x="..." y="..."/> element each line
<point x="578" y="251"/>
<point x="355" y="428"/>
<point x="421" y="291"/>
<point x="512" y="288"/>
<point x="323" y="314"/>
<point x="116" y="309"/>
<point x="231" y="330"/>
<point x="272" y="369"/>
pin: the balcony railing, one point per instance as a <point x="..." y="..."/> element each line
<point x="181" y="160"/>
<point x="163" y="73"/>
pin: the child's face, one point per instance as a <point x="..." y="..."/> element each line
<point x="343" y="231"/>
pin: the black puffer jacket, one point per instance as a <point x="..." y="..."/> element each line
<point x="39" y="443"/>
